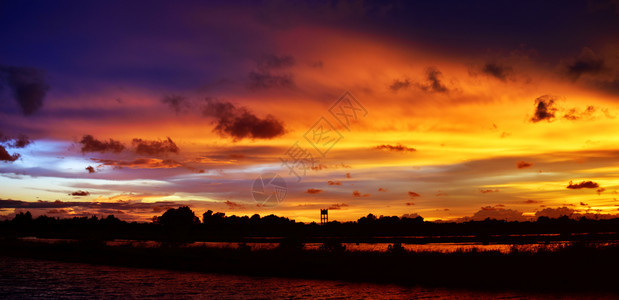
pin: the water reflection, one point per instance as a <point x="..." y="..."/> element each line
<point x="27" y="278"/>
<point x="378" y="247"/>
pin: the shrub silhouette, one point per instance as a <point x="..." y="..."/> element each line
<point x="396" y="248"/>
<point x="333" y="246"/>
<point x="290" y="245"/>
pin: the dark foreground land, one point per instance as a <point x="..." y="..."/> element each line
<point x="588" y="262"/>
<point x="577" y="267"/>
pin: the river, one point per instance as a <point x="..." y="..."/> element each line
<point x="29" y="278"/>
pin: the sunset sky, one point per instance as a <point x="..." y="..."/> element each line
<point x="463" y="110"/>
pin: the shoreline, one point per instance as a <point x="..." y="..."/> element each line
<point x="572" y="268"/>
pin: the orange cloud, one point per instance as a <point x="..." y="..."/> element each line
<point x="583" y="185"/>
<point x="140" y="163"/>
<point x="413" y="194"/>
<point x="396" y="148"/>
<point x="313" y="191"/>
<point x="358" y="194"/>
<point x="338" y="206"/>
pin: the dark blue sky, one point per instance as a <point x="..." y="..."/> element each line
<point x="161" y="42"/>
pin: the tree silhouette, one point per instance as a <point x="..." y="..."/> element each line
<point x="23" y="218"/>
<point x="209" y="218"/>
<point x="178" y="218"/>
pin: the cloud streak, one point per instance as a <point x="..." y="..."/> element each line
<point x="80" y="193"/>
<point x="28" y="87"/>
<point x="545" y="109"/>
<point x="358" y="194"/>
<point x="313" y="191"/>
<point x="154" y="147"/>
<point x="413" y="194"/>
<point x="338" y="206"/>
<point x="496" y="213"/>
<point x="400" y="85"/>
<point x="270" y="73"/>
<point x="233" y="205"/>
<point x="140" y="163"/>
<point x="177" y="103"/>
<point x="6" y="157"/>
<point x="497" y="71"/>
<point x="583" y="185"/>
<point x="90" y="144"/>
<point x="240" y="123"/>
<point x="433" y="81"/>
<point x="19" y="142"/>
<point x="587" y="62"/>
<point x="396" y="148"/>
<point x="120" y="205"/>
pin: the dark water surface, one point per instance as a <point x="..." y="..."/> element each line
<point x="28" y="278"/>
<point x="444" y="247"/>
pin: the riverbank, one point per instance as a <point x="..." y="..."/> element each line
<point x="578" y="267"/>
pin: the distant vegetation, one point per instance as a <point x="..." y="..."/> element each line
<point x="181" y="224"/>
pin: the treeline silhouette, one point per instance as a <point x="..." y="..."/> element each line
<point x="578" y="265"/>
<point x="182" y="224"/>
